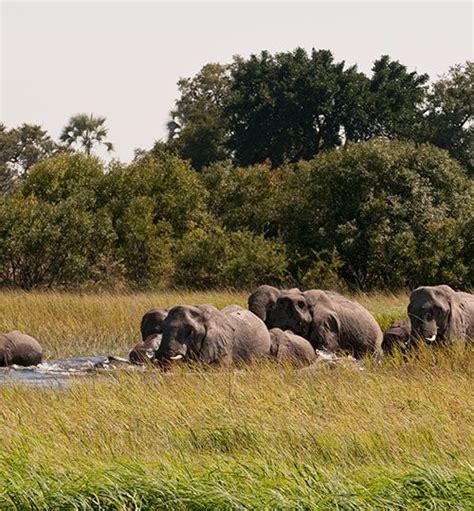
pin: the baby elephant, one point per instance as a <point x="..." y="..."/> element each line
<point x="151" y="329"/>
<point x="286" y="346"/>
<point x="20" y="349"/>
<point x="397" y="337"/>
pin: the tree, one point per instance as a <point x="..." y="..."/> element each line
<point x="44" y="244"/>
<point x="448" y="121"/>
<point x="290" y="106"/>
<point x="395" y="100"/>
<point x="394" y="212"/>
<point x="86" y="131"/>
<point x="197" y="130"/>
<point x="20" y="149"/>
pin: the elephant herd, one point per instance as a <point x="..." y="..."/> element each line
<point x="285" y="325"/>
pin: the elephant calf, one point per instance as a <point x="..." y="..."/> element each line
<point x="206" y="334"/>
<point x="397" y="337"/>
<point x="288" y="346"/>
<point x="20" y="349"/>
<point x="151" y="322"/>
<point x="145" y="350"/>
<point x="151" y="330"/>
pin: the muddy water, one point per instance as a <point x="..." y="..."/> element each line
<point x="51" y="373"/>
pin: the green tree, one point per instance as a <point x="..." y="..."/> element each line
<point x="20" y="149"/>
<point x="61" y="177"/>
<point x="214" y="257"/>
<point x="395" y="100"/>
<point x="86" y="131"/>
<point x="394" y="213"/>
<point x="43" y="244"/>
<point x="449" y="122"/>
<point x="198" y="130"/>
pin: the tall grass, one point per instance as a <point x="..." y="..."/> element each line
<point x="399" y="436"/>
<point x="70" y="324"/>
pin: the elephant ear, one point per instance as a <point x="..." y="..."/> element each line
<point x="216" y="344"/>
<point x="455" y="322"/>
<point x="323" y="326"/>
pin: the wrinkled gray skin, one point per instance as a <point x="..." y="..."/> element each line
<point x="151" y="331"/>
<point x="20" y="349"/>
<point x="151" y="322"/>
<point x="286" y="346"/>
<point x="329" y="321"/>
<point x="145" y="350"/>
<point x="262" y="301"/>
<point x="397" y="337"/>
<point x="205" y="334"/>
<point x="439" y="314"/>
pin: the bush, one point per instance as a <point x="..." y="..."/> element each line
<point x="394" y="211"/>
<point x="177" y="195"/>
<point x="247" y="198"/>
<point x="59" y="178"/>
<point x="44" y="244"/>
<point x="146" y="246"/>
<point x="214" y="257"/>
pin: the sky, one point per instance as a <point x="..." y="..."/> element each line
<point x="122" y="60"/>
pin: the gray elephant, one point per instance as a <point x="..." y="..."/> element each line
<point x="151" y="330"/>
<point x="329" y="321"/>
<point x="262" y="301"/>
<point x="205" y="334"/>
<point x="151" y="322"/>
<point x="145" y="350"/>
<point x="20" y="349"/>
<point x="440" y="314"/>
<point x="286" y="346"/>
<point x="397" y="337"/>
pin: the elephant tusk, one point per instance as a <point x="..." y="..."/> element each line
<point x="176" y="357"/>
<point x="431" y="339"/>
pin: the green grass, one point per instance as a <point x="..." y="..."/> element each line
<point x="398" y="436"/>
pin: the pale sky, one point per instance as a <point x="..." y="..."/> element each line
<point x="122" y="60"/>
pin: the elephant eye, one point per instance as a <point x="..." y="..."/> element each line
<point x="300" y="305"/>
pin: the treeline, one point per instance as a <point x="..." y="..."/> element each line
<point x="286" y="169"/>
<point x="377" y="214"/>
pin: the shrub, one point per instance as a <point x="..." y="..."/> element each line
<point x="394" y="211"/>
<point x="61" y="177"/>
<point x="43" y="244"/>
<point x="215" y="257"/>
<point x="177" y="195"/>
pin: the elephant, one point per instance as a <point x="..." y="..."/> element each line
<point x="288" y="346"/>
<point x="329" y="321"/>
<point x="439" y="314"/>
<point x="151" y="331"/>
<point x="206" y="334"/>
<point x="145" y="350"/>
<point x="20" y="349"/>
<point x="397" y="336"/>
<point x="151" y="322"/>
<point x="262" y="301"/>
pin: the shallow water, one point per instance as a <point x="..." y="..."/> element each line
<point x="51" y="373"/>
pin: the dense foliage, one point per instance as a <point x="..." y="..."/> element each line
<point x="309" y="173"/>
<point x="371" y="215"/>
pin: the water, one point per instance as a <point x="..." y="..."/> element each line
<point x="53" y="373"/>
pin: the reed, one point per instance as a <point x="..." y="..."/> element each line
<point x="396" y="436"/>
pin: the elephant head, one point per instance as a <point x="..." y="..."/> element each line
<point x="292" y="312"/>
<point x="194" y="332"/>
<point x="435" y="313"/>
<point x="262" y="301"/>
<point x="151" y="322"/>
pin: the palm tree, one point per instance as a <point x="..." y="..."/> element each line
<point x="86" y="131"/>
